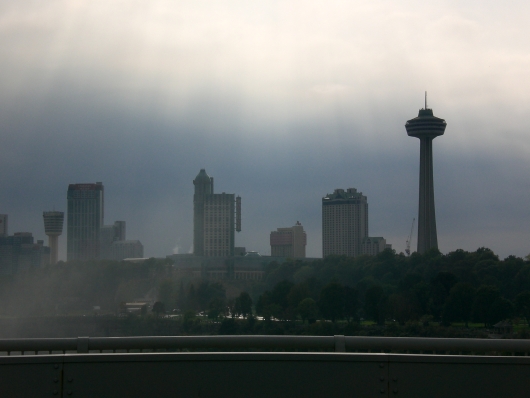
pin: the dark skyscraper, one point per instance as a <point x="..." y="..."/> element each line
<point x="203" y="187"/>
<point x="84" y="221"/>
<point x="426" y="127"/>
<point x="213" y="219"/>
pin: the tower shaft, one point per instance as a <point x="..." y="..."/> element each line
<point x="426" y="127"/>
<point x="427" y="236"/>
<point x="53" y="227"/>
<point x="53" y="242"/>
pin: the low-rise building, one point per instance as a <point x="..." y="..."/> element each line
<point x="289" y="242"/>
<point x="19" y="252"/>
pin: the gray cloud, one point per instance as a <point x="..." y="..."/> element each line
<point x="280" y="107"/>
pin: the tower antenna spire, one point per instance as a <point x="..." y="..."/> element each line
<point x="425" y="99"/>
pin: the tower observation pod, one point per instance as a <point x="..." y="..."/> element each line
<point x="426" y="127"/>
<point x="53" y="227"/>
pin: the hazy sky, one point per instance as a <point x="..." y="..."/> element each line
<point x="280" y="101"/>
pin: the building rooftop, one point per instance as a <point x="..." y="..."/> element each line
<point x="202" y="177"/>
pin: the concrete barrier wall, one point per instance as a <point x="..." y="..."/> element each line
<point x="263" y="375"/>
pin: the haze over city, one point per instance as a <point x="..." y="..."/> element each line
<point x="281" y="102"/>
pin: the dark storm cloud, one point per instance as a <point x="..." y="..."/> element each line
<point x="148" y="166"/>
<point x="280" y="107"/>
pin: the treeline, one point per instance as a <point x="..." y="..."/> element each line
<point x="202" y="296"/>
<point x="458" y="287"/>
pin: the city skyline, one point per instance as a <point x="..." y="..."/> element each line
<point x="281" y="102"/>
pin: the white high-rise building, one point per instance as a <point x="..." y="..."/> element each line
<point x="345" y="225"/>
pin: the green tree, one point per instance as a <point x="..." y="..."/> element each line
<point x="351" y="303"/>
<point x="502" y="309"/>
<point x="263" y="305"/>
<point x="191" y="299"/>
<point x="401" y="308"/>
<point x="308" y="309"/>
<point x="216" y="308"/>
<point x="440" y="287"/>
<point x="207" y="292"/>
<point x="331" y="301"/>
<point x="243" y="305"/>
<point x="459" y="304"/>
<point x="228" y="327"/>
<point x="165" y="292"/>
<point x="297" y="293"/>
<point x="375" y="304"/>
<point x="159" y="308"/>
<point x="275" y="303"/>
<point x="522" y="305"/>
<point x="489" y="307"/>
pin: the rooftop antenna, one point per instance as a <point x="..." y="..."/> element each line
<point x="425" y="99"/>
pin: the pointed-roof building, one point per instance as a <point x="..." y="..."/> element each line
<point x="213" y="219"/>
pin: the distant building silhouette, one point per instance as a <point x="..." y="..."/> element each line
<point x="3" y="224"/>
<point x="122" y="249"/>
<point x="53" y="227"/>
<point x="114" y="246"/>
<point x="108" y="235"/>
<point x="240" y="251"/>
<point x="19" y="252"/>
<point x="345" y="225"/>
<point x="288" y="242"/>
<point x="214" y="219"/>
<point x="426" y="127"/>
<point x="84" y="221"/>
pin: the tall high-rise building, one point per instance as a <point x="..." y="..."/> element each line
<point x="214" y="219"/>
<point x="84" y="221"/>
<point x="345" y="225"/>
<point x="3" y="224"/>
<point x="53" y="227"/>
<point x="289" y="242"/>
<point x="426" y="127"/>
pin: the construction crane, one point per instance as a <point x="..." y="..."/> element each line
<point x="407" y="250"/>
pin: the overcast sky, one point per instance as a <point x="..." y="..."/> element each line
<point x="280" y="101"/>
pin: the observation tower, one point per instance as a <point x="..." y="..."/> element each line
<point x="426" y="127"/>
<point x="53" y="227"/>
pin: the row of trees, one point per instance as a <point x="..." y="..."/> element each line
<point x="457" y="287"/>
<point x="289" y="301"/>
<point x="203" y="297"/>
